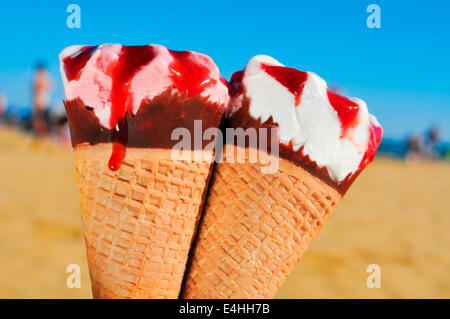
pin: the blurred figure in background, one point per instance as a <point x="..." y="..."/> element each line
<point x="42" y="86"/>
<point x="424" y="147"/>
<point x="415" y="147"/>
<point x="432" y="141"/>
<point x="3" y="106"/>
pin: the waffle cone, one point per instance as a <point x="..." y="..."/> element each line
<point x="255" y="229"/>
<point x="138" y="221"/>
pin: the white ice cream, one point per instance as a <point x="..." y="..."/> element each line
<point x="313" y="124"/>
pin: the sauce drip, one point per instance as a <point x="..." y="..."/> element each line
<point x="294" y="80"/>
<point x="117" y="156"/>
<point x="131" y="59"/>
<point x="346" y="110"/>
<point x="73" y="65"/>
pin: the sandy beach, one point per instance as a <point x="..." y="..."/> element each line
<point x="396" y="215"/>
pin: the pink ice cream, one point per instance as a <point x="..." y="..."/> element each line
<point x="89" y="73"/>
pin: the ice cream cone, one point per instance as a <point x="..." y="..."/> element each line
<point x="255" y="229"/>
<point x="138" y="221"/>
<point x="259" y="220"/>
<point x="133" y="110"/>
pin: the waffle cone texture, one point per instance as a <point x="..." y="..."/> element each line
<point x="255" y="229"/>
<point x="138" y="221"/>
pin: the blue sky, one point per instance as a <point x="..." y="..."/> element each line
<point x="402" y="70"/>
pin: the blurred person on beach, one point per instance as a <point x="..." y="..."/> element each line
<point x="415" y="146"/>
<point x="3" y="106"/>
<point x="424" y="147"/>
<point x="42" y="86"/>
<point x="432" y="141"/>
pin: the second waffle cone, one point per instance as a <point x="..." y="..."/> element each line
<point x="255" y="229"/>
